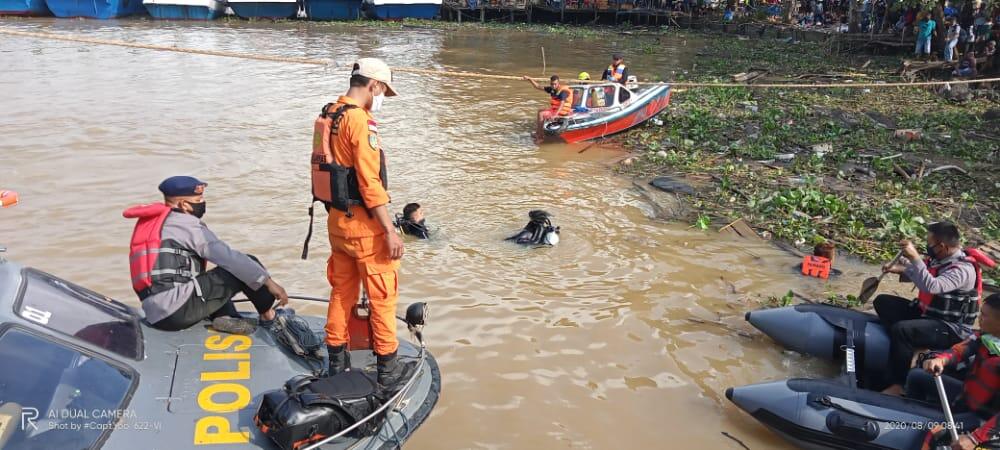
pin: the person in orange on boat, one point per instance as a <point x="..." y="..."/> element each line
<point x="617" y="71"/>
<point x="365" y="248"/>
<point x="560" y="105"/>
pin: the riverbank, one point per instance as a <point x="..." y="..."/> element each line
<point x="859" y="167"/>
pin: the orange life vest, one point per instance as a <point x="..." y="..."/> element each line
<point x="816" y="266"/>
<point x="324" y="129"/>
<point x="616" y="72"/>
<point x="556" y="101"/>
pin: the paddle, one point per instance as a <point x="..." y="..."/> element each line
<point x="947" y="408"/>
<point x="870" y="285"/>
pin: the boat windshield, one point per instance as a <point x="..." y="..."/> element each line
<point x="52" y="396"/>
<point x="601" y="96"/>
<point x="75" y="311"/>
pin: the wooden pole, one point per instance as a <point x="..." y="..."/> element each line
<point x="543" y="62"/>
<point x="562" y="11"/>
<point x="482" y="11"/>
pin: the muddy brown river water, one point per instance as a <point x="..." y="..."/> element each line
<point x="589" y="344"/>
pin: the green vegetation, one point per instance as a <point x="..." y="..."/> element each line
<point x="577" y="31"/>
<point x="825" y="164"/>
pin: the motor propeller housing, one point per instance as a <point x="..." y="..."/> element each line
<point x="416" y="314"/>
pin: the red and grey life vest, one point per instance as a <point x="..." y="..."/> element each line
<point x="157" y="265"/>
<point x="980" y="388"/>
<point x="957" y="306"/>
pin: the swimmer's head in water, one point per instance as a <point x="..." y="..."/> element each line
<point x="539" y="216"/>
<point x="413" y="213"/>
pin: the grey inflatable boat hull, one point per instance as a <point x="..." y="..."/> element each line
<point x="821" y="414"/>
<point x="821" y="331"/>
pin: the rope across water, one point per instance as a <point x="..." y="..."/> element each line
<point x="432" y="72"/>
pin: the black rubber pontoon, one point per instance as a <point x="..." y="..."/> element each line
<point x="820" y="414"/>
<point x="821" y="331"/>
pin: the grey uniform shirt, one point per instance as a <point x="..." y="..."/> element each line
<point x="959" y="277"/>
<point x="192" y="234"/>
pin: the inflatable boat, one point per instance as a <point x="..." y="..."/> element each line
<point x="601" y="110"/>
<point x="821" y="331"/>
<point x="822" y="414"/>
<point x="81" y="370"/>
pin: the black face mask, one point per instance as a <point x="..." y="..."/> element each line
<point x="197" y="209"/>
<point x="930" y="251"/>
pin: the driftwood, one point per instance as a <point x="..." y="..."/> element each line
<point x="802" y="297"/>
<point x="900" y="171"/>
<point x="948" y="167"/>
<point x="735" y="440"/>
<point x="740" y="228"/>
<point x="911" y="68"/>
<point x="722" y="325"/>
<point x="748" y="77"/>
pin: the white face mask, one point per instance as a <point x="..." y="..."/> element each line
<point x="377" y="102"/>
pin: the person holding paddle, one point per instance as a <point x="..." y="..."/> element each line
<point x="976" y="401"/>
<point x="950" y="284"/>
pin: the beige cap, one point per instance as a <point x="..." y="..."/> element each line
<point x="377" y="70"/>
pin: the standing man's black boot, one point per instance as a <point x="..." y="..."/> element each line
<point x="340" y="359"/>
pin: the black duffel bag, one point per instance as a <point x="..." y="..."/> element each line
<point x="309" y="409"/>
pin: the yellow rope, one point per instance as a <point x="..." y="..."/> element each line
<point x="418" y="71"/>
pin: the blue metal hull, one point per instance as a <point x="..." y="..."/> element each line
<point x="24" y="8"/>
<point x="95" y="9"/>
<point x="265" y="10"/>
<point x="397" y="12"/>
<point x="183" y="12"/>
<point x="333" y="9"/>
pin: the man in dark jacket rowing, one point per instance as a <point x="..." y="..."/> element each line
<point x="168" y="253"/>
<point x="950" y="286"/>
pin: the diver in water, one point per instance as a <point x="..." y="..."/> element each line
<point x="538" y="231"/>
<point x="411" y="222"/>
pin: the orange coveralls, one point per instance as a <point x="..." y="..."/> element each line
<point x="359" y="252"/>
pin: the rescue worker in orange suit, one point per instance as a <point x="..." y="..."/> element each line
<point x="365" y="248"/>
<point x="560" y="105"/>
<point x="975" y="401"/>
<point x="950" y="286"/>
<point x="617" y="71"/>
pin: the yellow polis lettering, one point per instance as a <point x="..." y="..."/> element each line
<point x="215" y="430"/>
<point x="206" y="398"/>
<point x="223" y="398"/>
<point x="242" y="371"/>
<point x="219" y="343"/>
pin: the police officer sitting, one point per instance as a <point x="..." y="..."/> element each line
<point x="169" y="249"/>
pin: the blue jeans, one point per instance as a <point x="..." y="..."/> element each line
<point x="949" y="49"/>
<point x="923" y="46"/>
